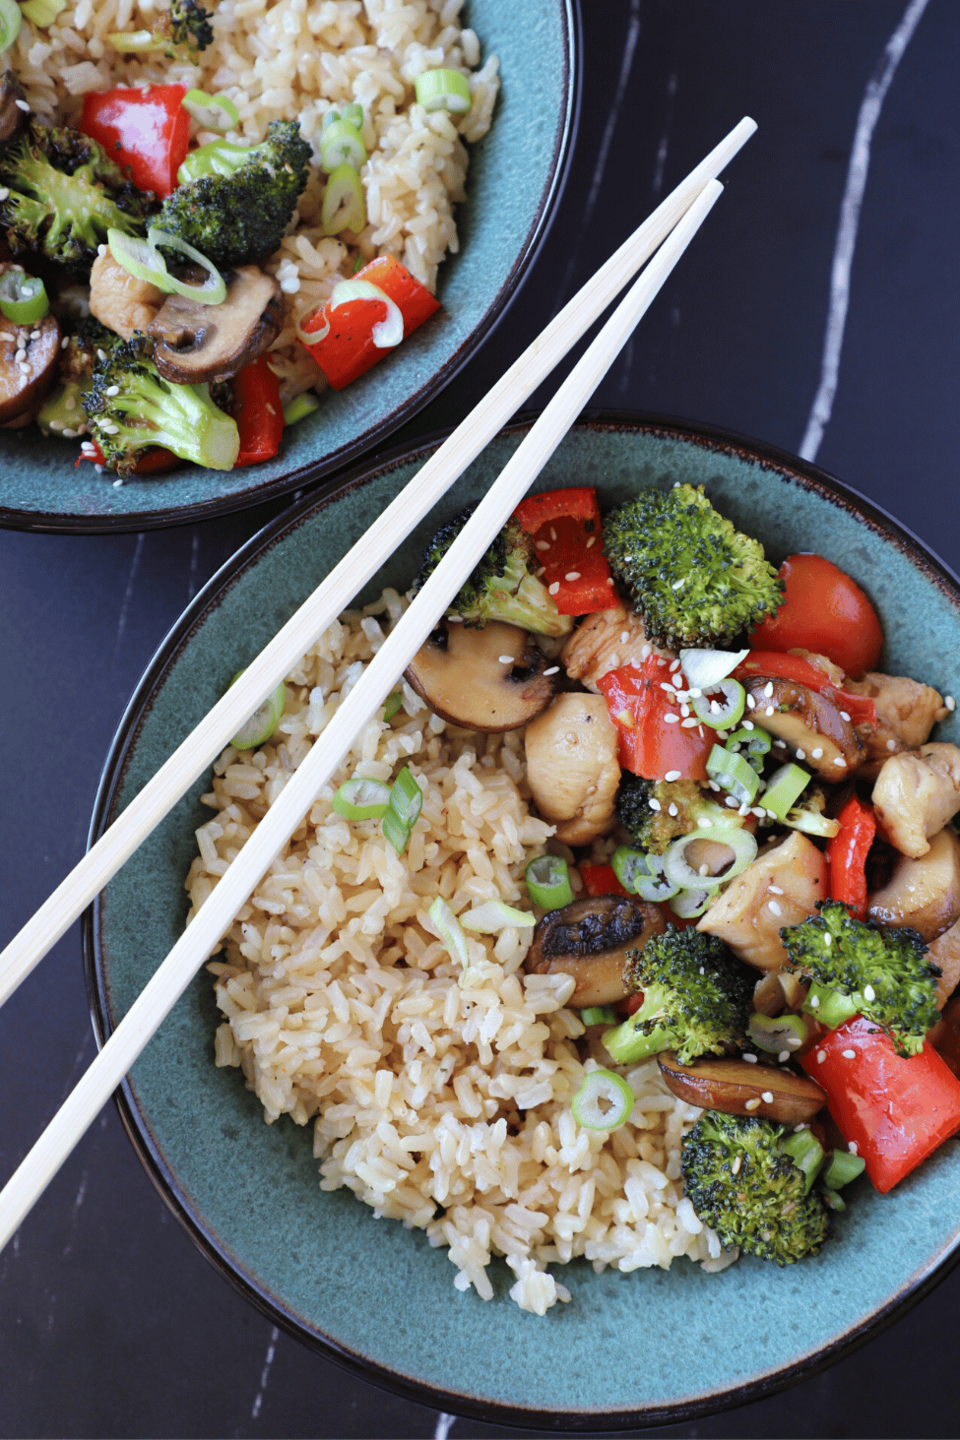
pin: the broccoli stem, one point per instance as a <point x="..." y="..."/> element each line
<point x="184" y="419"/>
<point x="807" y="1154"/>
<point x="829" y="1006"/>
<point x="626" y="1045"/>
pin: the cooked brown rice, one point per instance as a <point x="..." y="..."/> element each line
<point x="295" y="59"/>
<point x="430" y="1086"/>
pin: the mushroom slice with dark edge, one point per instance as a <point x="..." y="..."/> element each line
<point x="808" y="722"/>
<point x="13" y="117"/>
<point x="198" y="343"/>
<point x="483" y="679"/>
<point x="923" y="893"/>
<point x="739" y="1088"/>
<point x="28" y="364"/>
<point x="590" y="940"/>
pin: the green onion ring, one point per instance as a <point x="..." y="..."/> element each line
<point x="691" y="903"/>
<point x="389" y="331"/>
<point x="394" y="700"/>
<point x="642" y="874"/>
<point x="259" y="727"/>
<point x="735" y="774"/>
<point x="679" y="871"/>
<point x="842" y="1167"/>
<point x="443" y="90"/>
<point x="494" y="916"/>
<point x="721" y="715"/>
<point x="406" y="802"/>
<point x="341" y="144"/>
<point x="213" y="112"/>
<point x="603" y="1101"/>
<point x="299" y="408"/>
<point x="360" y="799"/>
<point x="143" y="260"/>
<point x="548" y="881"/>
<point x="598" y="1015"/>
<point x="42" y="13"/>
<point x="213" y="291"/>
<point x="756" y="740"/>
<point x="344" y="207"/>
<point x="23" y="298"/>
<point x="784" y="789"/>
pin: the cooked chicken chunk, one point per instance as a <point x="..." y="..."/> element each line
<point x="119" y="300"/>
<point x="781" y="887"/>
<point x="923" y="893"/>
<point x="916" y="794"/>
<point x="572" y="766"/>
<point x="906" y="713"/>
<point x="945" y="952"/>
<point x="605" y="641"/>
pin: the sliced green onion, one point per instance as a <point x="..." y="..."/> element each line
<point x="756" y="741"/>
<point x="448" y="928"/>
<point x="679" y="871"/>
<point x="300" y="407"/>
<point x="642" y="874"/>
<point x="784" y="789"/>
<point x="352" y="112"/>
<point x="443" y="90"/>
<point x="494" y="916"/>
<point x="213" y="112"/>
<point x="392" y="704"/>
<point x="344" y="207"/>
<point x="842" y="1167"/>
<point x="812" y="822"/>
<point x="720" y="715"/>
<point x="23" y="298"/>
<point x="832" y="1200"/>
<point x="213" y="291"/>
<point x="360" y="799"/>
<point x="136" y="42"/>
<point x="806" y="1152"/>
<point x="704" y="669"/>
<point x="776" y="1033"/>
<point x="829" y="1006"/>
<point x="10" y="22"/>
<point x="406" y="802"/>
<point x="548" y="880"/>
<point x="603" y="1101"/>
<point x="598" y="1015"/>
<point x="341" y="144"/>
<point x="264" y="720"/>
<point x="42" y="13"/>
<point x="312" y="337"/>
<point x="139" y="258"/>
<point x="389" y="331"/>
<point x="733" y="773"/>
<point x="217" y="157"/>
<point x="691" y="903"/>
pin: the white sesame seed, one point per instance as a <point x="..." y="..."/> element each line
<point x="678" y="583"/>
<point x="552" y="670"/>
<point x="70" y="403"/>
<point x="705" y="823"/>
<point x="671" y="719"/>
<point x="849" y="1054"/>
<point x="116" y="483"/>
<point x="646" y="652"/>
<point x="113" y="390"/>
<point x="749" y="725"/>
<point x="774" y="889"/>
<point x="731" y="803"/>
<point x="554" y="588"/>
<point x="543" y="544"/>
<point x="689" y="722"/>
<point x="672" y="809"/>
<point x="753" y="1104"/>
<point x="572" y="575"/>
<point x="609" y="579"/>
<point x="624" y="636"/>
<point x="827" y="939"/>
<point x="844" y="715"/>
<point x="654" y="804"/>
<point x="769" y="710"/>
<point x="783" y="1057"/>
<point x="591" y="541"/>
<point x="672" y="775"/>
<point x="949" y="701"/>
<point x="869" y="993"/>
<point x="553" y="533"/>
<point x="801" y="754"/>
<point x="735" y="1167"/>
<point x="674" y="665"/>
<point x="821" y="1056"/>
<point x="684" y="709"/>
<point x="767" y="1097"/>
<point x="4" y="193"/>
<point x="774" y="908"/>
<point x="23" y="105"/>
<point x="20" y="354"/>
<point x="839" y="760"/>
<point x="750" y="1059"/>
<point x="64" y="342"/>
<point x="852" y="1147"/>
<point x="768" y="689"/>
<point x="814" y="1002"/>
<point x="818" y="753"/>
<point x="891" y="745"/>
<point x="713" y="784"/>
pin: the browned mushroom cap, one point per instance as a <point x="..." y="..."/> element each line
<point x="12" y="116"/>
<point x="808" y="723"/>
<point x="28" y="362"/>
<point x="197" y="343"/>
<point x="589" y="940"/>
<point x="923" y="893"/>
<point x="739" y="1088"/>
<point x="483" y="679"/>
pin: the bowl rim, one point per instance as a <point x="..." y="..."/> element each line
<point x="328" y="471"/>
<point x="136" y="1125"/>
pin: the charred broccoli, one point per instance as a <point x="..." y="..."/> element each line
<point x="62" y="412"/>
<point x="741" y="1179"/>
<point x="62" y="193"/>
<point x="679" y="807"/>
<point x="234" y="203"/>
<point x="180" y="33"/>
<point x="692" y="577"/>
<point x="696" y="998"/>
<point x="503" y="586"/>
<point x="131" y="407"/>
<point x="860" y="968"/>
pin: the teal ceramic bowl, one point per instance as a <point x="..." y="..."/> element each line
<point x="651" y="1346"/>
<point x="516" y="177"/>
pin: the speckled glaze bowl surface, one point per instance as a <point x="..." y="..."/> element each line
<point x="516" y="176"/>
<point x="629" y="1350"/>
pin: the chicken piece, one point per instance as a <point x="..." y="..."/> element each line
<point x="605" y="641"/>
<point x="923" y="893"/>
<point x="119" y="300"/>
<point x="572" y="766"/>
<point x="945" y="952"/>
<point x="906" y="713"/>
<point x="781" y="887"/>
<point x="917" y="794"/>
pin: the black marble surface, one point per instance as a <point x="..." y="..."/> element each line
<point x="111" y="1322"/>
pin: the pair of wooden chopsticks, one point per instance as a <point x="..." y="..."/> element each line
<point x="671" y="227"/>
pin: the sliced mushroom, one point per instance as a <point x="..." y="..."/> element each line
<point x="483" y="679"/>
<point x="781" y="887"/>
<point x="739" y="1088"/>
<point x="589" y="940"/>
<point x="13" y="117"/>
<point x="916" y="794"/>
<point x="572" y="766"/>
<point x="945" y="952"/>
<point x="198" y="343"/>
<point x="808" y="722"/>
<point x="922" y="893"/>
<point x="28" y="363"/>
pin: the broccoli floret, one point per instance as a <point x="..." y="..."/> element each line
<point x="502" y="587"/>
<point x="130" y="407"/>
<point x="741" y="1181"/>
<point x="681" y="806"/>
<point x="884" y="974"/>
<point x="237" y="202"/>
<point x="696" y="998"/>
<point x="179" y="33"/>
<point x="63" y="193"/>
<point x="692" y="577"/>
<point x="89" y="344"/>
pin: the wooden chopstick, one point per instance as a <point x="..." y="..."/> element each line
<point x="198" y="751"/>
<point x="411" y="630"/>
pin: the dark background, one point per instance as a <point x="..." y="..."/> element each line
<point x="112" y="1322"/>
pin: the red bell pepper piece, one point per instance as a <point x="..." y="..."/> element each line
<point x="650" y="744"/>
<point x="847" y="855"/>
<point x="895" y="1109"/>
<point x="258" y="412"/>
<point x="347" y="350"/>
<point x="153" y="460"/>
<point x="600" y="879"/>
<point x="145" y="131"/>
<point x="775" y="665"/>
<point x="565" y="525"/>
